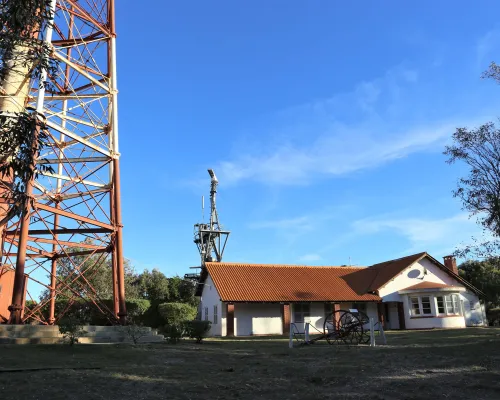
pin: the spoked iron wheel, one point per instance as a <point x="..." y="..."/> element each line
<point x="364" y="321"/>
<point x="342" y="327"/>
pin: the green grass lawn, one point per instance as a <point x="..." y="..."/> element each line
<point x="453" y="364"/>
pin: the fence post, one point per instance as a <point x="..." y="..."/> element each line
<point x="290" y="343"/>
<point x="372" y="333"/>
<point x="307" y="332"/>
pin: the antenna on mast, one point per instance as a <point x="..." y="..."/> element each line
<point x="210" y="238"/>
<point x="202" y="208"/>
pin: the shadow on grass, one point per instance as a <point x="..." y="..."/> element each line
<point x="435" y="364"/>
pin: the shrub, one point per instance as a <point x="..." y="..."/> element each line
<point x="493" y="316"/>
<point x="198" y="329"/>
<point x="135" y="331"/>
<point x="71" y="329"/>
<point x="175" y="314"/>
<point x="152" y="318"/>
<point x="136" y="308"/>
<point x="174" y="332"/>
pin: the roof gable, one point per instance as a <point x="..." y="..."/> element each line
<point x="456" y="276"/>
<point x="371" y="279"/>
<point x="375" y="277"/>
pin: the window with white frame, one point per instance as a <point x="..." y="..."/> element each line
<point x="456" y="305"/>
<point x="206" y="313"/>
<point x="425" y="301"/>
<point x="414" y="306"/>
<point x="441" y="309"/>
<point x="215" y="314"/>
<point x="420" y="306"/>
<point x="448" y="305"/>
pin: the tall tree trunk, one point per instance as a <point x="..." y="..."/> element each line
<point x="14" y="93"/>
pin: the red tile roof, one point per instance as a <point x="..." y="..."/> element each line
<point x="276" y="283"/>
<point x="237" y="282"/>
<point x="428" y="285"/>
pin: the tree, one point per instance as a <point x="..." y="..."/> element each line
<point x="153" y="286"/>
<point x="181" y="291"/>
<point x="485" y="275"/>
<point x="187" y="292"/>
<point x="173" y="287"/>
<point x="75" y="273"/>
<point x="479" y="191"/>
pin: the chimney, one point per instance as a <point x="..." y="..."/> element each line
<point x="450" y="262"/>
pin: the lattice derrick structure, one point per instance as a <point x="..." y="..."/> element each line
<point x="77" y="206"/>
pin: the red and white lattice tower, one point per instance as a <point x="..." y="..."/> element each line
<point x="78" y="204"/>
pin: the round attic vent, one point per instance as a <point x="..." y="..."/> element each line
<point x="417" y="272"/>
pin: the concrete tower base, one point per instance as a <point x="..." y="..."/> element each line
<point x="45" y="334"/>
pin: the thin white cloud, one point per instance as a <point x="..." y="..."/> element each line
<point x="349" y="132"/>
<point x="434" y="235"/>
<point x="310" y="258"/>
<point x="306" y="222"/>
<point x="486" y="47"/>
<point x="345" y="152"/>
<point x="302" y="223"/>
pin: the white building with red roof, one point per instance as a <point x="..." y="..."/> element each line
<point x="414" y="292"/>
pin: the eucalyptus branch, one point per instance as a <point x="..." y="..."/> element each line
<point x="479" y="191"/>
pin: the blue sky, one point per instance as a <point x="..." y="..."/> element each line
<point x="325" y="122"/>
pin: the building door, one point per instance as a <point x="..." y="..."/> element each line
<point x="401" y="315"/>
<point x="392" y="316"/>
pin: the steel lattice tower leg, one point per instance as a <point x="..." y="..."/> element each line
<point x="79" y="204"/>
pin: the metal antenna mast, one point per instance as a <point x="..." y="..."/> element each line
<point x="210" y="238"/>
<point x="77" y="206"/>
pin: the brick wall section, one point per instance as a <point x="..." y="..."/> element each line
<point x="229" y="319"/>
<point x="450" y="262"/>
<point x="336" y="315"/>
<point x="285" y="318"/>
<point x="381" y="318"/>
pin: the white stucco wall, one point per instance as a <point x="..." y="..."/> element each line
<point x="473" y="309"/>
<point x="257" y="319"/>
<point x="371" y="309"/>
<point x="210" y="298"/>
<point x="223" y="320"/>
<point x="316" y="317"/>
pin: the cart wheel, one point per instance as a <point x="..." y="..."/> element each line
<point x="342" y="327"/>
<point x="364" y="321"/>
